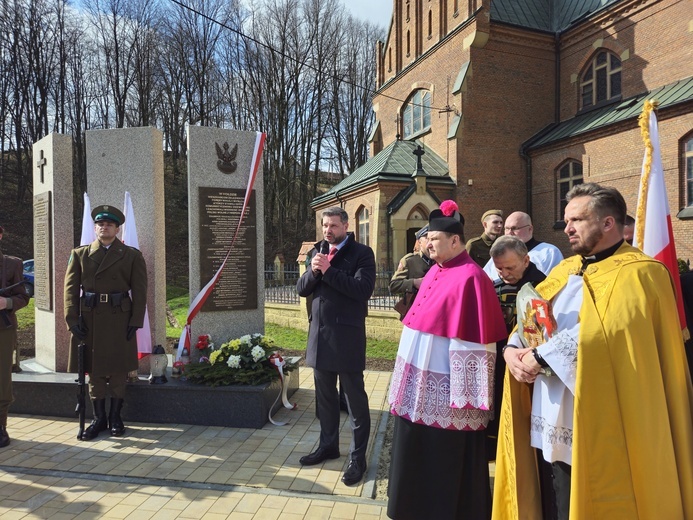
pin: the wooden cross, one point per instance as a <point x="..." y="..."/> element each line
<point x="40" y="164"/>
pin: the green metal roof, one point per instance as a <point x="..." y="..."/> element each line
<point x="396" y="162"/>
<point x="668" y="95"/>
<point x="545" y="15"/>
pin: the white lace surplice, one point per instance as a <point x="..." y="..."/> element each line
<point x="442" y="382"/>
<point x="552" y="400"/>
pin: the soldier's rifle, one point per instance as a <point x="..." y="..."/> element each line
<point x="81" y="386"/>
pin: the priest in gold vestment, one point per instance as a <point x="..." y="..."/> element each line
<point x="625" y="403"/>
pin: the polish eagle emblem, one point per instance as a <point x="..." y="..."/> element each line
<point x="227" y="159"/>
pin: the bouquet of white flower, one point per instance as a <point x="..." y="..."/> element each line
<point x="241" y="361"/>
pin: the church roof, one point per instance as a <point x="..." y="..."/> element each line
<point x="669" y="95"/>
<point x="545" y="15"/>
<point x="396" y="162"/>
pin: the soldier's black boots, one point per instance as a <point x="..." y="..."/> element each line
<point x="100" y="423"/>
<point x="4" y="437"/>
<point x="115" y="423"/>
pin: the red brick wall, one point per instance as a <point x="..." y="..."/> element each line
<point x="509" y="97"/>
<point x="614" y="160"/>
<point x="655" y="35"/>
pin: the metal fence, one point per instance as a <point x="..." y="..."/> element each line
<point x="280" y="287"/>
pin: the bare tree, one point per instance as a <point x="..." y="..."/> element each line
<point x="353" y="88"/>
<point x="116" y="33"/>
<point x="202" y="23"/>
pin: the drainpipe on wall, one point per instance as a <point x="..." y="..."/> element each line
<point x="557" y="80"/>
<point x="389" y="239"/>
<point x="528" y="178"/>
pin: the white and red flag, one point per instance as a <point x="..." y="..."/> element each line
<point x="88" y="233"/>
<point x="144" y="335"/>
<point x="653" y="231"/>
<point x="202" y="296"/>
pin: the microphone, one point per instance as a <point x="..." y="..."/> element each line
<point x="324" y="249"/>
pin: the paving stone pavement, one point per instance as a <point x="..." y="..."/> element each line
<point x="181" y="471"/>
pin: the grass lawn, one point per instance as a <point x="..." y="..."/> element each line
<point x="284" y="337"/>
<point x="26" y="316"/>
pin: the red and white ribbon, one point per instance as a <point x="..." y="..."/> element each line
<point x="202" y="296"/>
<point x="279" y="362"/>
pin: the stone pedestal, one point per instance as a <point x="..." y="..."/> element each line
<point x="53" y="240"/>
<point x="131" y="159"/>
<point x="219" y="163"/>
<point x="55" y="395"/>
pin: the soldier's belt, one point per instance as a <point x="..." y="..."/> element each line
<point x="91" y="299"/>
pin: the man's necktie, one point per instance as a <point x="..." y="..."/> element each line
<point x="330" y="256"/>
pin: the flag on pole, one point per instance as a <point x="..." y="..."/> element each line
<point x="202" y="296"/>
<point x="653" y="231"/>
<point x="88" y="234"/>
<point x="144" y="335"/>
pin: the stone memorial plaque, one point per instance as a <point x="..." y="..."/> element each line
<point x="43" y="294"/>
<point x="220" y="210"/>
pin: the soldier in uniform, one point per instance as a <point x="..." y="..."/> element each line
<point x="411" y="269"/>
<point x="105" y="298"/>
<point x="479" y="248"/>
<point x="10" y="274"/>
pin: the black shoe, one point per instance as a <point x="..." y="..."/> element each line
<point x="354" y="473"/>
<point x="318" y="456"/>
<point x="16" y="369"/>
<point x="100" y="422"/>
<point x="4" y="437"/>
<point x="115" y="423"/>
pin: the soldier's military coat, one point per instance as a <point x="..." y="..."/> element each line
<point x="411" y="266"/>
<point x="95" y="270"/>
<point x="10" y="274"/>
<point x="479" y="249"/>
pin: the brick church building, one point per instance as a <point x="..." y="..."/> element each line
<point x="512" y="102"/>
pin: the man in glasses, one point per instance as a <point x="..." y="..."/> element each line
<point x="542" y="254"/>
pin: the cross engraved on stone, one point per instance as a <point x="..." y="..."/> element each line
<point x="40" y="164"/>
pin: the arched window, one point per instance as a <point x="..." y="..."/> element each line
<point x="430" y="24"/>
<point x="568" y="175"/>
<point x="363" y="220"/>
<point x="417" y="114"/>
<point x="601" y="80"/>
<point x="688" y="164"/>
<point x="408" y="43"/>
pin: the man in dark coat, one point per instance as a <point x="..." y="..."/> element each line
<point x="105" y="299"/>
<point x="340" y="280"/>
<point x="10" y="303"/>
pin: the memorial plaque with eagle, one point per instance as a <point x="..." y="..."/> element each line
<point x="227" y="158"/>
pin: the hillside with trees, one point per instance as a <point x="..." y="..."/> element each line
<point x="301" y="71"/>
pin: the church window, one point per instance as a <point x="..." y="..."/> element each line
<point x="568" y="175"/>
<point x="417" y="114"/>
<point x="363" y="227"/>
<point x="601" y="80"/>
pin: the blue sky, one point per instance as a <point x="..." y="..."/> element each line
<point x="378" y="11"/>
